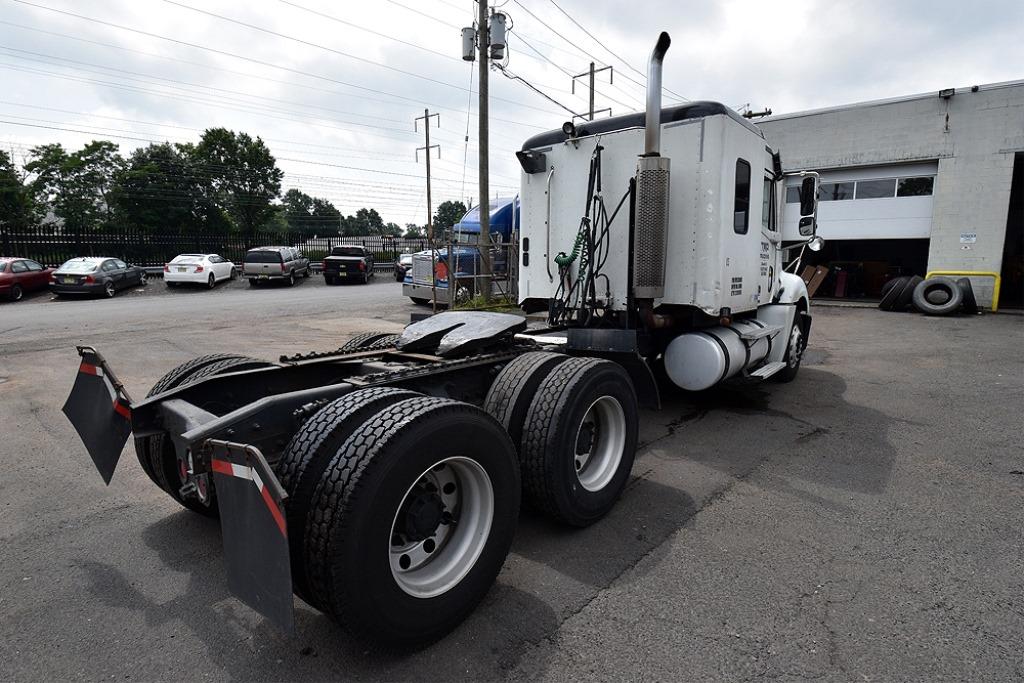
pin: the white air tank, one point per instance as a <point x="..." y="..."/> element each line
<point x="700" y="360"/>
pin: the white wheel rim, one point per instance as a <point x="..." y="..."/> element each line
<point x="795" y="346"/>
<point x="600" y="441"/>
<point x="429" y="566"/>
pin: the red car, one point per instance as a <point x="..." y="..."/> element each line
<point x="20" y="275"/>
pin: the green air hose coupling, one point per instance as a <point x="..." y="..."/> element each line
<point x="562" y="260"/>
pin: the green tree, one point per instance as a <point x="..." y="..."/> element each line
<point x="78" y="187"/>
<point x="160" y="191"/>
<point x="364" y="222"/>
<point x="17" y="207"/>
<point x="392" y="229"/>
<point x="413" y="231"/>
<point x="244" y="177"/>
<point x="447" y="215"/>
<point x="298" y="211"/>
<point x="327" y="217"/>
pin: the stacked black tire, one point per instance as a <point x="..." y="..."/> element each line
<point x="934" y="296"/>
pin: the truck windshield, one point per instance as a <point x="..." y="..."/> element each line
<point x="347" y="251"/>
<point x="263" y="257"/>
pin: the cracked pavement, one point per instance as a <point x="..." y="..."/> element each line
<point x="863" y="522"/>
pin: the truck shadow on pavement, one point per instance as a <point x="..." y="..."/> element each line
<point x="692" y="452"/>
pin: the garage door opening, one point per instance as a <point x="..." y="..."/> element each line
<point x="859" y="268"/>
<point x="1012" y="295"/>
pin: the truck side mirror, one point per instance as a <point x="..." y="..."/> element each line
<point x="808" y="206"/>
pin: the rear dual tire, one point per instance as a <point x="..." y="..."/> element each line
<point x="156" y="453"/>
<point x="574" y="422"/>
<point x="412" y="517"/>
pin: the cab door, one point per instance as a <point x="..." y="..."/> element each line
<point x="768" y="254"/>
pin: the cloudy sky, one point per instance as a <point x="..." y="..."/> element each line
<point x="333" y="87"/>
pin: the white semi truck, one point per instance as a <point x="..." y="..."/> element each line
<point x="381" y="482"/>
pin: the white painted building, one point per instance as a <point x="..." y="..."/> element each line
<point x="914" y="184"/>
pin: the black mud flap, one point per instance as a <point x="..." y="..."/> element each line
<point x="252" y="519"/>
<point x="100" y="410"/>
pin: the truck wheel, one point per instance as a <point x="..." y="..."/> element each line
<point x="950" y="303"/>
<point x="510" y="396"/>
<point x="579" y="440"/>
<point x="370" y="340"/>
<point x="310" y="451"/>
<point x="156" y="453"/>
<point x="794" y="351"/>
<point x="967" y="291"/>
<point x="412" y="520"/>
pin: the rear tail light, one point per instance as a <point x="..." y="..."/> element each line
<point x="362" y="265"/>
<point x="324" y="264"/>
<point x="199" y="269"/>
<point x="282" y="267"/>
<point x="167" y="268"/>
<point x="89" y="279"/>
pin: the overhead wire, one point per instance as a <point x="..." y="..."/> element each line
<point x="237" y="56"/>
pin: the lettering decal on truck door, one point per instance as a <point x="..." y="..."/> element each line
<point x="765" y="254"/>
<point x="737" y="287"/>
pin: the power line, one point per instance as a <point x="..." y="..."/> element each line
<point x="237" y="56"/>
<point x="368" y="30"/>
<point x="607" y="49"/>
<point x="210" y="67"/>
<point x="566" y="71"/>
<point x="560" y="35"/>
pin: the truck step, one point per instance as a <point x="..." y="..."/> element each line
<point x="766" y="331"/>
<point x="766" y="371"/>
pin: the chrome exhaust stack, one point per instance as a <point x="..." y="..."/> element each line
<point x="650" y="236"/>
<point x="652" y="125"/>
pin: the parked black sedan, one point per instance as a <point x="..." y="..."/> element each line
<point x="95" y="275"/>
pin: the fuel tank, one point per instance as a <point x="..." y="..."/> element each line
<point x="700" y="360"/>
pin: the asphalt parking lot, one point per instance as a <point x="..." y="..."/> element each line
<point x="863" y="522"/>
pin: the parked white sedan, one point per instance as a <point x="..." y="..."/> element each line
<point x="199" y="269"/>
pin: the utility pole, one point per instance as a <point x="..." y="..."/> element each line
<point x="426" y="148"/>
<point x="483" y="43"/>
<point x="591" y="73"/>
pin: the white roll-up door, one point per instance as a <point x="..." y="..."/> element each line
<point x="880" y="202"/>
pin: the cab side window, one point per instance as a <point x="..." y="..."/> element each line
<point x="18" y="267"/>
<point x="768" y="206"/>
<point x="120" y="264"/>
<point x="32" y="265"/>
<point x="741" y="209"/>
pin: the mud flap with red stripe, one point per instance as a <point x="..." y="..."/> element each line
<point x="252" y="518"/>
<point x="99" y="408"/>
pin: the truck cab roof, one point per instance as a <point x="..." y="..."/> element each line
<point x="502" y="210"/>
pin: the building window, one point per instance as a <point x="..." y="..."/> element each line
<point x="876" y="189"/>
<point x="833" y="192"/>
<point x="915" y="187"/>
<point x="741" y="207"/>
